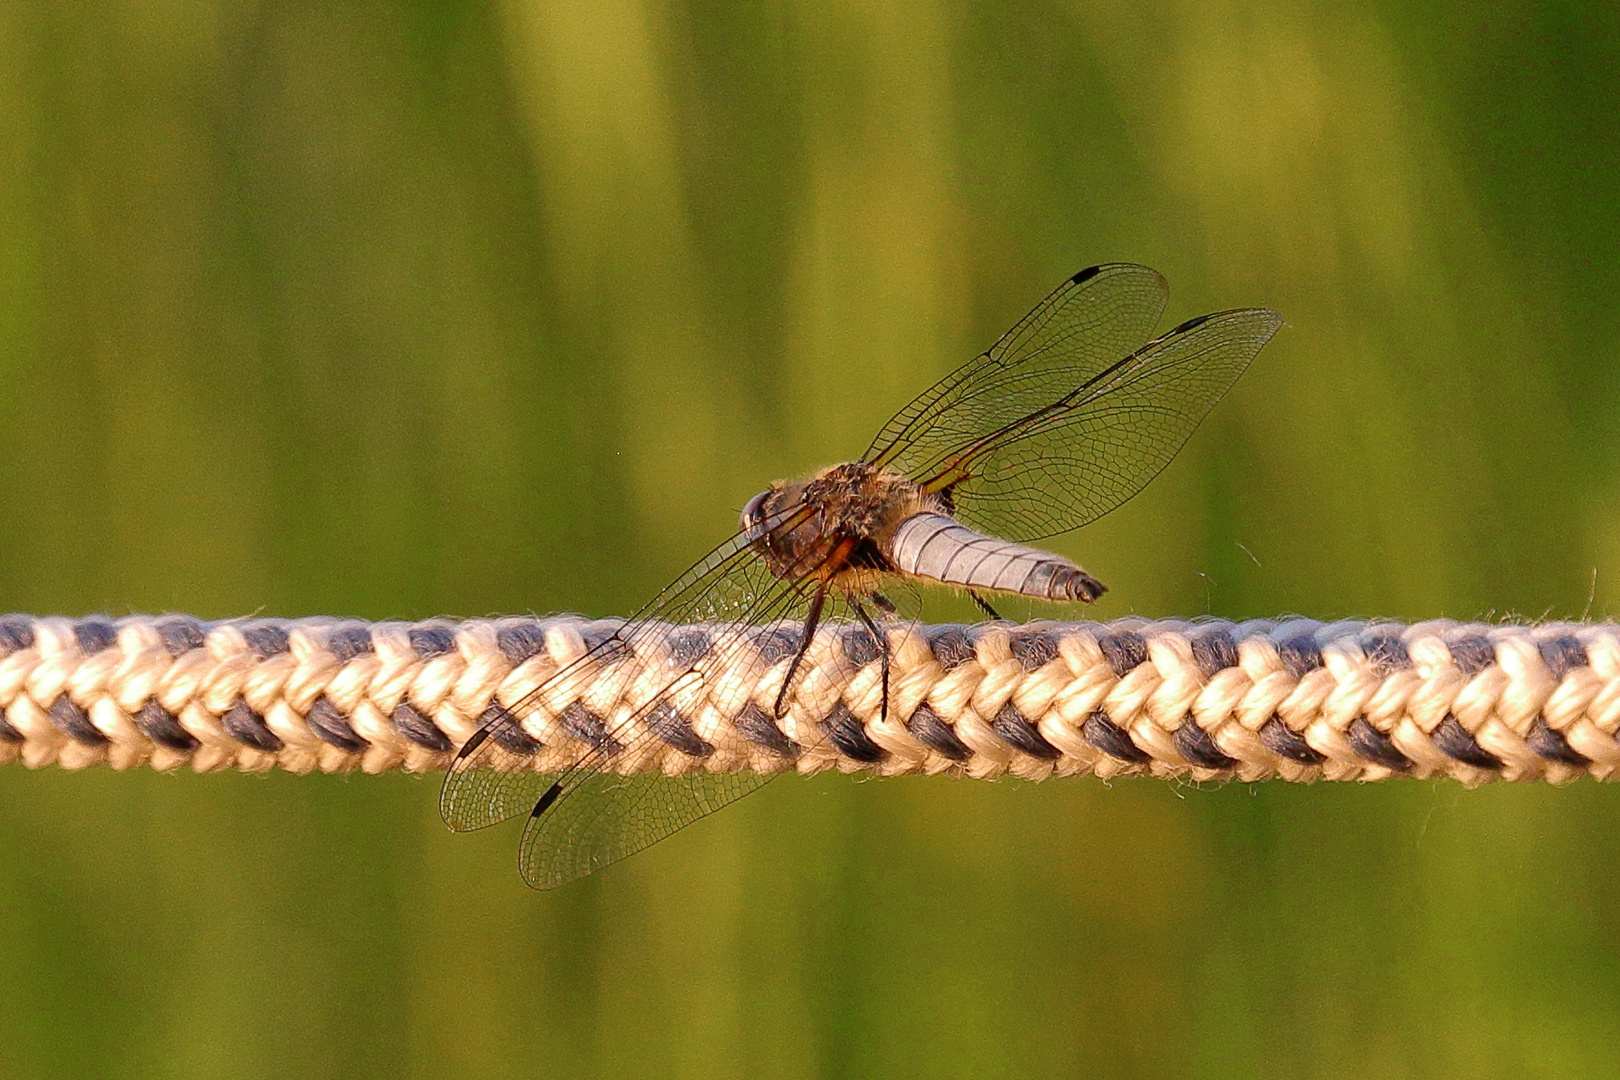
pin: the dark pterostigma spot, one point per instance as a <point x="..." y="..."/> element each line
<point x="16" y="632"/>
<point x="1472" y="654"/>
<point x="349" y="641"/>
<point x="68" y="717"/>
<point x="1194" y="744"/>
<point x="777" y="643"/>
<point x="1214" y="651"/>
<point x="180" y="634"/>
<point x="94" y="635"/>
<point x="1552" y="745"/>
<point x="1016" y="731"/>
<point x="1299" y="655"/>
<point x="675" y="730"/>
<point x="416" y="726"/>
<point x="589" y="728"/>
<point x="326" y="721"/>
<point x="248" y="727"/>
<point x="1454" y="739"/>
<point x="927" y="728"/>
<point x="7" y="732"/>
<point x="266" y="639"/>
<point x="478" y="738"/>
<point x="756" y="725"/>
<point x="521" y="641"/>
<point x="1100" y="731"/>
<point x="1562" y="655"/>
<point x="951" y="646"/>
<point x="1086" y="275"/>
<point x="850" y="737"/>
<point x="501" y="725"/>
<point x="1196" y="320"/>
<point x="1033" y="649"/>
<point x="432" y="640"/>
<point x="1374" y="746"/>
<point x="687" y="646"/>
<point x="542" y="804"/>
<point x="1387" y="652"/>
<point x="161" y="726"/>
<point x="1125" y="651"/>
<point x="1284" y="741"/>
<point x="860" y="646"/>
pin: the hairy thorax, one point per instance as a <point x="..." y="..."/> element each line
<point x="839" y="522"/>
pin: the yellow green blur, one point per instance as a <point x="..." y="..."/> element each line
<point x="397" y="310"/>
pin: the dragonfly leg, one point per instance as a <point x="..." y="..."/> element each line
<point x="882" y="641"/>
<point x="984" y="605"/>
<point x="884" y="604"/>
<point x="812" y="619"/>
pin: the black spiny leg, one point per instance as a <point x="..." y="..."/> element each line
<point x="984" y="605"/>
<point x="811" y="620"/>
<point x="884" y="604"/>
<point x="882" y="641"/>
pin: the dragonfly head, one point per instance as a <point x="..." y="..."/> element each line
<point x="772" y="524"/>
<point x="769" y="510"/>
<point x="753" y="516"/>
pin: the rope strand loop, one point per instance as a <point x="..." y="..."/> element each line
<point x="1202" y="699"/>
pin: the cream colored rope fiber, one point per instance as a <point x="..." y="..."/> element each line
<point x="1207" y="699"/>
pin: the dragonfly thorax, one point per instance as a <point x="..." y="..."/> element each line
<point x="843" y="517"/>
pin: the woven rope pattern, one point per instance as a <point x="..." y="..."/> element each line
<point x="1295" y="699"/>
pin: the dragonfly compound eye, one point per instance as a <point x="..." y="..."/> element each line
<point x="753" y="516"/>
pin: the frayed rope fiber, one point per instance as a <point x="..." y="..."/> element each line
<point x="1203" y="699"/>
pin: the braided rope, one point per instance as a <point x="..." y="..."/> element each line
<point x="1295" y="699"/>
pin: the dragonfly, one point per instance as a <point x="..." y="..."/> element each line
<point x="1070" y="414"/>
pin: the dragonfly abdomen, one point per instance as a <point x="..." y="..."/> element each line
<point x="942" y="548"/>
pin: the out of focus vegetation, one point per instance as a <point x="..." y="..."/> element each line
<point x="401" y="310"/>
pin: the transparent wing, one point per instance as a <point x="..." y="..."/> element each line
<point x="600" y="816"/>
<point x="504" y="768"/>
<point x="1098" y="445"/>
<point x="567" y="766"/>
<point x="608" y="816"/>
<point x="1079" y="331"/>
<point x="1070" y="414"/>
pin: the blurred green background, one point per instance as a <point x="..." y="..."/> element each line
<point x="397" y="310"/>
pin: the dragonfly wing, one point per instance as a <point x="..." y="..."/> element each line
<point x="590" y="800"/>
<point x="1097" y="446"/>
<point x="607" y="816"/>
<point x="488" y="783"/>
<point x="1086" y="325"/>
<point x="508" y="764"/>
